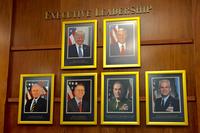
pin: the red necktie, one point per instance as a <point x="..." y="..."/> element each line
<point x="122" y="50"/>
<point x="80" y="106"/>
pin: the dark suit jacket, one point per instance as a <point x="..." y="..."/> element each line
<point x="74" y="53"/>
<point x="171" y="101"/>
<point x="112" y="105"/>
<point x="73" y="107"/>
<point x="41" y="105"/>
<point x="115" y="50"/>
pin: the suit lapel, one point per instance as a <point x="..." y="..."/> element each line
<point x="117" y="48"/>
<point x="76" y="53"/>
<point x="168" y="102"/>
<point x="75" y="105"/>
<point x="84" y="50"/>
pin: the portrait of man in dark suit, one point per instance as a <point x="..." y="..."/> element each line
<point x="79" y="49"/>
<point x="166" y="103"/>
<point x="119" y="103"/>
<point x="36" y="103"/>
<point x="78" y="103"/>
<point x="122" y="47"/>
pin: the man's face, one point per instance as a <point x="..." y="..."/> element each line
<point x="79" y="37"/>
<point x="121" y="36"/>
<point x="79" y="92"/>
<point x="117" y="90"/>
<point x="165" y="88"/>
<point x="36" y="91"/>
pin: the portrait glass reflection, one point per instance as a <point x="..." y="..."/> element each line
<point x="166" y="95"/>
<point x="36" y="95"/>
<point x="78" y="96"/>
<point x="166" y="98"/>
<point x="79" y="44"/>
<point x="78" y="99"/>
<point x="36" y="99"/>
<point x="122" y="42"/>
<point x="120" y="95"/>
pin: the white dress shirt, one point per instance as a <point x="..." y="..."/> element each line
<point x="77" y="48"/>
<point x="120" y="46"/>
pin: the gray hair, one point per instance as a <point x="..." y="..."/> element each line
<point x="164" y="80"/>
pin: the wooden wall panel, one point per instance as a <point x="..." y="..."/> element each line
<point x="169" y="20"/>
<point x="39" y="61"/>
<point x="27" y="62"/>
<point x="153" y="58"/>
<point x="5" y="33"/>
<point x="48" y="61"/>
<point x="167" y="44"/>
<point x="196" y="23"/>
<point x="168" y="57"/>
<point x="12" y="127"/>
<point x="29" y="25"/>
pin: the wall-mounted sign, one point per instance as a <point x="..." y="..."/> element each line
<point x="98" y="12"/>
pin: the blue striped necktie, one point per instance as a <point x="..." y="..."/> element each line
<point x="80" y="51"/>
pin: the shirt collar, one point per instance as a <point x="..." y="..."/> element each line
<point x="36" y="99"/>
<point x="120" y="45"/>
<point x="77" y="101"/>
<point x="117" y="100"/>
<point x="77" y="45"/>
<point x="165" y="98"/>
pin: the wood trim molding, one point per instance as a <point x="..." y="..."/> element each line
<point x="5" y="37"/>
<point x="57" y="99"/>
<point x="196" y="33"/>
<point x="143" y="43"/>
<point x="167" y="42"/>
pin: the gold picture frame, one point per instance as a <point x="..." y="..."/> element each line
<point x="166" y="98"/>
<point x="79" y="34"/>
<point x="120" y="98"/>
<point x="70" y="112"/>
<point x="40" y="89"/>
<point x="121" y="43"/>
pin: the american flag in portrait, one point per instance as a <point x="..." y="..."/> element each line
<point x="70" y="88"/>
<point x="71" y="40"/>
<point x="113" y="34"/>
<point x="43" y="83"/>
<point x="71" y="33"/>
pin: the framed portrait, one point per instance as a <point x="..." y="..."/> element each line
<point x="121" y="43"/>
<point x="79" y="44"/>
<point x="120" y="98"/>
<point x="79" y="99"/>
<point x="166" y="98"/>
<point x="36" y="97"/>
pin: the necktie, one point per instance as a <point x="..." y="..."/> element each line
<point x="80" y="106"/>
<point x="162" y="103"/>
<point x="80" y="54"/>
<point x="117" y="104"/>
<point x="33" y="106"/>
<point x="122" y="50"/>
